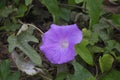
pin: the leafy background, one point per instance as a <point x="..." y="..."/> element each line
<point x="22" y="23"/>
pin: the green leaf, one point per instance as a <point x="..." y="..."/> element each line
<point x="27" y="2"/>
<point x="94" y="38"/>
<point x="17" y="1"/>
<point x="110" y="45"/>
<point x="61" y="76"/>
<point x="96" y="49"/>
<point x="80" y="73"/>
<point x="117" y="46"/>
<point x="6" y="11"/>
<point x="14" y="76"/>
<point x="21" y="11"/>
<point x="84" y="53"/>
<point x="112" y="75"/>
<point x="71" y="2"/>
<point x="94" y="10"/>
<point x="5" y="73"/>
<point x="65" y="14"/>
<point x="101" y="29"/>
<point x="3" y="3"/>
<point x="106" y="62"/>
<point x="78" y="1"/>
<point x="116" y="19"/>
<point x="10" y="26"/>
<point x="21" y="42"/>
<point x="4" y="69"/>
<point x="118" y="58"/>
<point x="57" y="12"/>
<point x="53" y="8"/>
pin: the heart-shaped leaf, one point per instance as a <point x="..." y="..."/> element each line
<point x="106" y="62"/>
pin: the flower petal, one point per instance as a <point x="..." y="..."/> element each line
<point x="67" y="55"/>
<point x="76" y="35"/>
<point x="71" y="32"/>
<point x="57" y="55"/>
<point x="58" y="43"/>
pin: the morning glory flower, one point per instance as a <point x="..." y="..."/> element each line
<point x="59" y="41"/>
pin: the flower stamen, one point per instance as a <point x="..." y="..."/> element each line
<point x="64" y="44"/>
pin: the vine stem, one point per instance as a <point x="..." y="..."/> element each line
<point x="36" y="28"/>
<point x="96" y="71"/>
<point x="32" y="26"/>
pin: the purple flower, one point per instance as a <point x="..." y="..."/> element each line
<point x="59" y="41"/>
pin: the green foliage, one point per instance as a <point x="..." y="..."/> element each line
<point x="102" y="30"/>
<point x="6" y="11"/>
<point x="80" y="73"/>
<point x="111" y="44"/>
<point x="10" y="26"/>
<point x="94" y="10"/>
<point x="21" y="42"/>
<point x="78" y="1"/>
<point x="21" y="10"/>
<point x="2" y="3"/>
<point x="57" y="12"/>
<point x="115" y="19"/>
<point x="11" y="11"/>
<point x="16" y="1"/>
<point x="71" y="2"/>
<point x="65" y="14"/>
<point x="98" y="35"/>
<point x="5" y="72"/>
<point x="53" y="8"/>
<point x="106" y="62"/>
<point x="28" y="2"/>
<point x="112" y="75"/>
<point x="61" y="76"/>
<point x="118" y="59"/>
<point x="117" y="46"/>
<point x="94" y="38"/>
<point x="84" y="53"/>
<point x="96" y="49"/>
<point x="86" y="33"/>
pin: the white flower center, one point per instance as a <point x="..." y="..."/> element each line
<point x="64" y="44"/>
